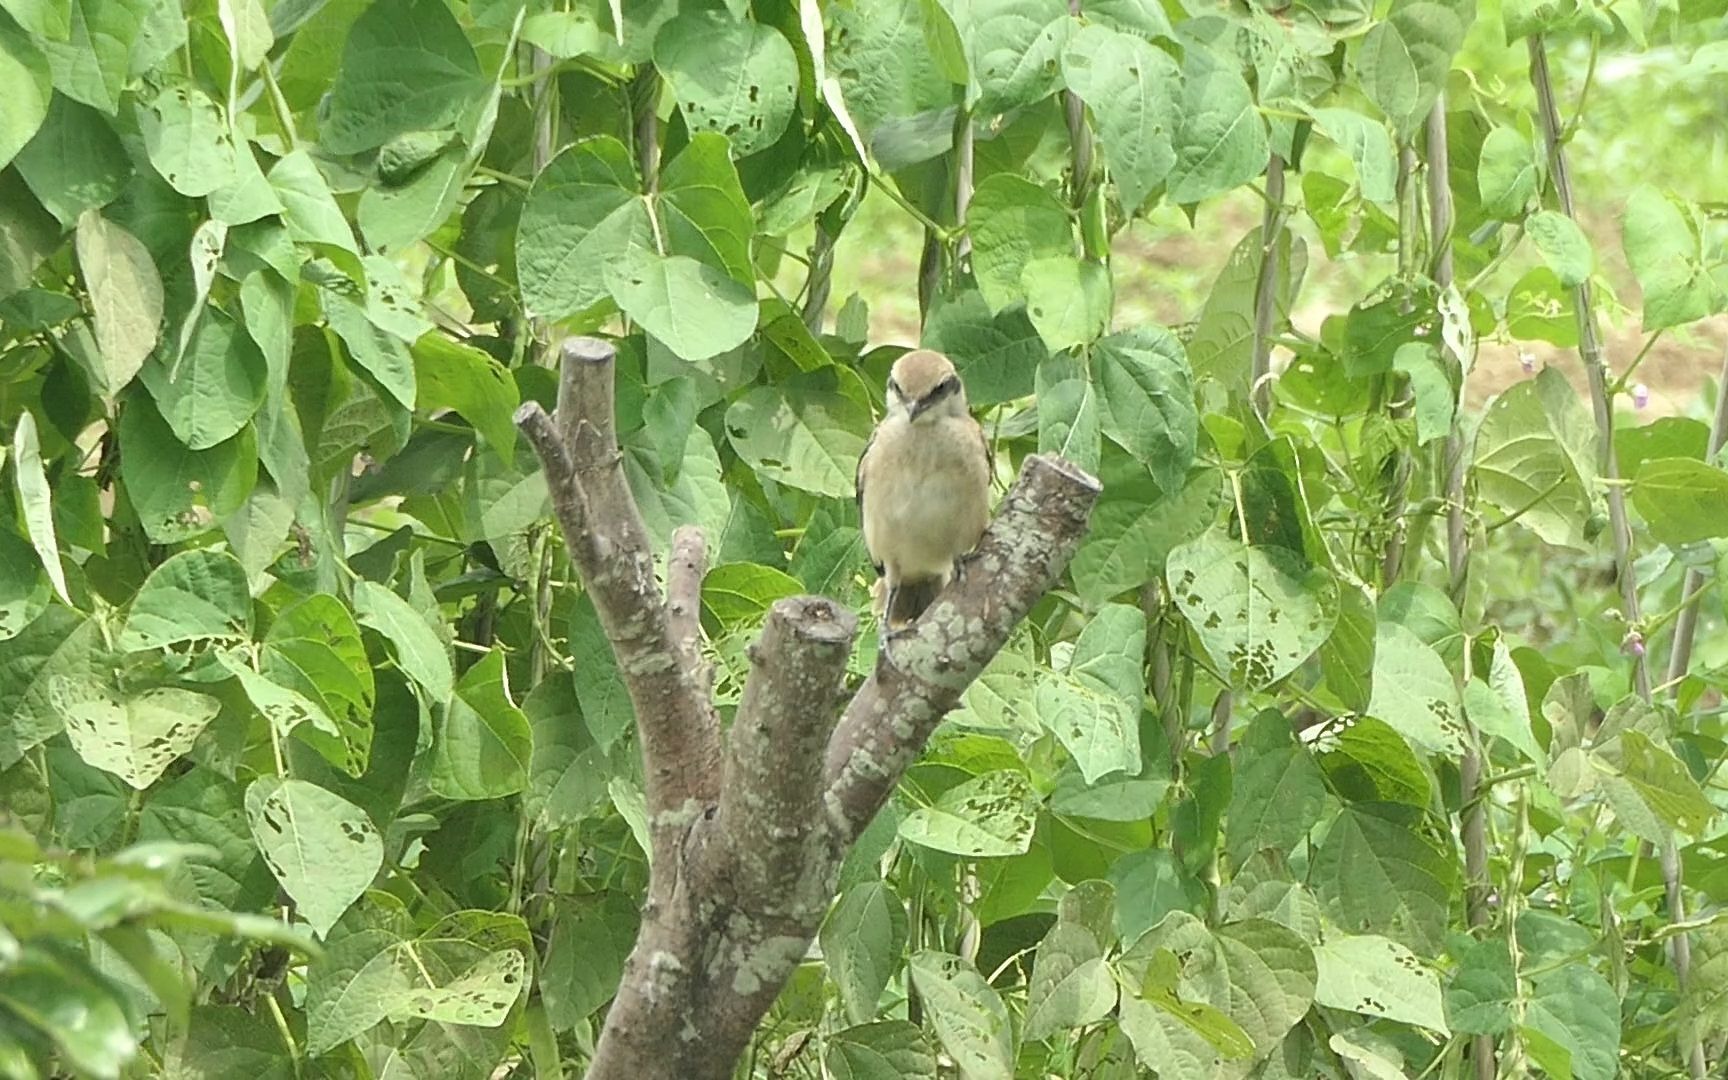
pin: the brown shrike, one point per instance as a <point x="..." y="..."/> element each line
<point x="923" y="485"/>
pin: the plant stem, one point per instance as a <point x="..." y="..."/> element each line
<point x="1398" y="466"/>
<point x="1680" y="656"/>
<point x="1474" y="811"/>
<point x="1266" y="289"/>
<point x="1590" y="350"/>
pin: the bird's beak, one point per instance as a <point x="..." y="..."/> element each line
<point x="920" y="406"/>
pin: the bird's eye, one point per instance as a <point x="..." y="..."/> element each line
<point x="948" y="385"/>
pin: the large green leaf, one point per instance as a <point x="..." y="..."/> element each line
<point x="1563" y="245"/>
<point x="321" y="847"/>
<point x="35" y="501"/>
<point x="996" y="356"/>
<point x="966" y="1011"/>
<point x="861" y="942"/>
<point x="1012" y="223"/>
<point x="1013" y="48"/>
<point x="1403" y="60"/>
<point x="125" y="296"/>
<point x="729" y="75"/>
<point x="1132" y="89"/>
<point x="482" y="748"/>
<point x="804" y="436"/>
<point x="1071" y="987"/>
<point x="195" y="596"/>
<point x="406" y="66"/>
<point x="1682" y="500"/>
<point x="1535" y="457"/>
<point x="449" y="375"/>
<point x="1368" y="974"/>
<point x="583" y="215"/>
<point x="1506" y="173"/>
<point x="1663" y="250"/>
<point x="885" y="1050"/>
<point x="136" y="738"/>
<point x="314" y="649"/>
<point x="1147" y="401"/>
<point x="1369" y="148"/>
<point x="1375" y="873"/>
<point x="1136" y="524"/>
<point x="696" y="310"/>
<point x="419" y="652"/>
<point x="988" y="816"/>
<point x="178" y="492"/>
<point x="187" y="140"/>
<point x="215" y="388"/>
<point x="1277" y="791"/>
<point x="1414" y="693"/>
<point x="1259" y="611"/>
<point x="26" y="85"/>
<point x="1068" y="424"/>
<point x="1220" y="139"/>
<point x="1068" y="300"/>
<point x="108" y="42"/>
<point x="58" y="647"/>
<point x="1579" y="1010"/>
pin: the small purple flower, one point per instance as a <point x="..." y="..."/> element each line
<point x="1633" y="644"/>
<point x="1527" y="361"/>
<point x="1640" y="396"/>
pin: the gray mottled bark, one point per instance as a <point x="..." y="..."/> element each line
<point x="747" y="831"/>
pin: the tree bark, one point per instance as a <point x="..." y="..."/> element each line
<point x="747" y="831"/>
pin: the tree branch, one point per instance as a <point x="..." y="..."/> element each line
<point x="1042" y="521"/>
<point x="578" y="448"/>
<point x="769" y="794"/>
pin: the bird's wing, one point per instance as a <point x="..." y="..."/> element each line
<point x="858" y="491"/>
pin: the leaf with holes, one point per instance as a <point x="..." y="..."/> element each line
<point x="321" y="847"/>
<point x="987" y="816"/>
<point x="137" y="738"/>
<point x="1259" y="611"/>
<point x="729" y="75"/>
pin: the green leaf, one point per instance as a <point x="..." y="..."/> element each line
<point x="694" y="309"/>
<point x="58" y="647"/>
<point x="996" y="356"/>
<point x="1013" y="48"/>
<point x="419" y="652"/>
<point x="137" y="738"/>
<point x="34" y="501"/>
<point x="1370" y="150"/>
<point x="600" y="689"/>
<point x="729" y="75"/>
<point x="885" y="1050"/>
<point x="1259" y="611"/>
<point x="1067" y="299"/>
<point x="1097" y="727"/>
<point x="1563" y="246"/>
<point x="26" y="85"/>
<point x="309" y="209"/>
<point x="1652" y="792"/>
<point x="481" y="750"/>
<point x="1414" y="693"/>
<point x="407" y="66"/>
<point x="1479" y="997"/>
<point x="740" y="594"/>
<point x="1131" y="88"/>
<point x="969" y="1017"/>
<point x="125" y="296"/>
<point x="217" y="387"/>
<point x="1277" y="793"/>
<point x="180" y="493"/>
<point x="187" y="140"/>
<point x="583" y="215"/>
<point x="987" y="816"/>
<point x="1579" y="1010"/>
<point x="585" y="958"/>
<point x="1663" y="251"/>
<point x="1147" y="401"/>
<point x="1013" y="222"/>
<point x="24" y="590"/>
<point x="1376" y="874"/>
<point x="1220" y="140"/>
<point x="703" y="211"/>
<point x="1135" y="525"/>
<point x="93" y="61"/>
<point x="1068" y="423"/>
<point x="321" y="847"/>
<point x="1681" y="500"/>
<point x="449" y="375"/>
<point x="70" y="1007"/>
<point x="382" y="353"/>
<point x="1506" y="173"/>
<point x="195" y="596"/>
<point x="75" y="162"/>
<point x="314" y="649"/>
<point x="351" y="987"/>
<point x="1532" y="453"/>
<point x="1403" y="60"/>
<point x="862" y="939"/>
<point x="1070" y="987"/>
<point x="804" y="436"/>
<point x="892" y="77"/>
<point x="1368" y="974"/>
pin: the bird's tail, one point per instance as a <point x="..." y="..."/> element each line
<point x="908" y="600"/>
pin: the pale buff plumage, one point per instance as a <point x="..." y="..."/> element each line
<point x="923" y="484"/>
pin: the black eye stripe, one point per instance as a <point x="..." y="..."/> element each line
<point x="894" y="388"/>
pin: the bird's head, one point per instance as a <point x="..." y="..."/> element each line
<point x="924" y="383"/>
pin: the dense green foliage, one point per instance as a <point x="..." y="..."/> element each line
<point x="315" y="760"/>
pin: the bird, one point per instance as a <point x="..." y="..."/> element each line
<point x="923" y="486"/>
